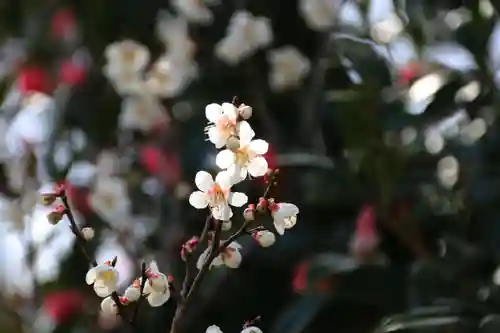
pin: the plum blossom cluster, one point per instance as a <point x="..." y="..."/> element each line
<point x="241" y="157"/>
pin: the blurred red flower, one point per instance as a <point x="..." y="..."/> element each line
<point x="164" y="165"/>
<point x="34" y="79"/>
<point x="60" y="306"/>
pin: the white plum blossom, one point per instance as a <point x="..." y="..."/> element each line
<point x="216" y="195"/>
<point x="245" y="35"/>
<point x="195" y="11"/>
<point x="126" y="56"/>
<point x="109" y="199"/>
<point x="174" y="33"/>
<point x="167" y="79"/>
<point x="247" y="159"/>
<point x="213" y="329"/>
<point x="319" y="15"/>
<point x="230" y="256"/>
<point x="104" y="277"/>
<point x="251" y="329"/>
<point x="284" y="216"/>
<point x="288" y="68"/>
<point x="156" y="287"/>
<point x="224" y="124"/>
<point x="141" y="113"/>
<point x="265" y="238"/>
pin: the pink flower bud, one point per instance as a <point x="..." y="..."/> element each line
<point x="249" y="214"/>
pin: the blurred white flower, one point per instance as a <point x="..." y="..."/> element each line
<point x="108" y="163"/>
<point x="174" y="33"/>
<point x="213" y="329"/>
<point x="217" y="195"/>
<point x="284" y="216"/>
<point x="288" y="68"/>
<point x="168" y="79"/>
<point x="81" y="173"/>
<point x="133" y="292"/>
<point x="112" y="247"/>
<point x="247" y="159"/>
<point x="141" y="113"/>
<point x="194" y="10"/>
<point x="88" y="233"/>
<point x="265" y="238"/>
<point x="319" y="15"/>
<point x="156" y="287"/>
<point x="126" y="56"/>
<point x="231" y="257"/>
<point x="31" y="126"/>
<point x="245" y="35"/>
<point x="109" y="199"/>
<point x="104" y="277"/>
<point x="223" y="124"/>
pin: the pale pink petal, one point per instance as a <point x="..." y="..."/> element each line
<point x="202" y="258"/>
<point x="245" y="133"/>
<point x="158" y="299"/>
<point x="213" y="112"/>
<point x="223" y="178"/>
<point x="230" y="110"/>
<point x="235" y="245"/>
<point x="102" y="290"/>
<point x="258" y="167"/>
<point x="204" y="181"/>
<point x="279" y="225"/>
<point x="258" y="146"/>
<point x="198" y="200"/>
<point x="287" y="209"/>
<point x="237" y="199"/>
<point x="216" y="137"/>
<point x="225" y="159"/>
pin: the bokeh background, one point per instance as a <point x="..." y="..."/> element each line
<point x="382" y="116"/>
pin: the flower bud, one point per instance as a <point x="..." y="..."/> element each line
<point x="48" y="199"/>
<point x="88" y="233"/>
<point x="249" y="213"/>
<point x="226" y="225"/>
<point x="262" y="205"/>
<point x="265" y="238"/>
<point x="188" y="247"/>
<point x="108" y="306"/>
<point x="59" y="190"/>
<point x="245" y="111"/>
<point x="133" y="293"/>
<point x="124" y="300"/>
<point x="56" y="215"/>
<point x="233" y="143"/>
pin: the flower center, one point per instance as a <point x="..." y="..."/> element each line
<point x="129" y="56"/>
<point x="241" y="156"/>
<point x="107" y="276"/>
<point x="216" y="195"/>
<point x="226" y="126"/>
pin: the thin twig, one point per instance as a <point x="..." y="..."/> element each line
<point x="144" y="278"/>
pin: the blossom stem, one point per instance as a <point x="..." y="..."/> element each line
<point x="81" y="243"/>
<point x="144" y="279"/>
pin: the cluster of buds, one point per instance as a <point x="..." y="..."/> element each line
<point x="270" y="177"/>
<point x="263" y="206"/>
<point x="189" y="247"/>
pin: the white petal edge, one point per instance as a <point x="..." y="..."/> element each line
<point x="203" y="181"/>
<point x="216" y="137"/>
<point x="259" y="146"/>
<point x="91" y="275"/>
<point x="158" y="299"/>
<point x="245" y="133"/>
<point x="225" y="159"/>
<point x="213" y="112"/>
<point x="258" y="167"/>
<point x="222" y="212"/>
<point x="234" y="261"/>
<point x="198" y="200"/>
<point x="237" y="199"/>
<point x="223" y="178"/>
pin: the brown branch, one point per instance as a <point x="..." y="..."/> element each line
<point x="144" y="278"/>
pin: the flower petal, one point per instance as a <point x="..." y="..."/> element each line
<point x="234" y="260"/>
<point x="158" y="299"/>
<point x="198" y="200"/>
<point x="245" y="133"/>
<point x="202" y="258"/>
<point x="213" y="112"/>
<point x="258" y="167"/>
<point x="213" y="329"/>
<point x="102" y="290"/>
<point x="222" y="212"/>
<point x="223" y="178"/>
<point x="287" y="209"/>
<point x="238" y="173"/>
<point x="279" y="225"/>
<point x="237" y="199"/>
<point x="225" y="159"/>
<point x="258" y="146"/>
<point x="203" y="181"/>
<point x="216" y="137"/>
<point x="230" y="110"/>
<point x="91" y="275"/>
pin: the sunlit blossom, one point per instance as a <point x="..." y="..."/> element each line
<point x="104" y="277"/>
<point x="284" y="216"/>
<point x="223" y="124"/>
<point x="230" y="257"/>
